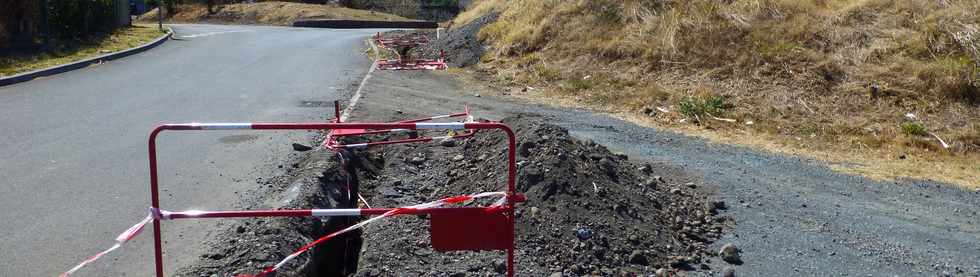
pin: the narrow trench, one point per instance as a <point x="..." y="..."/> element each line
<point x="339" y="256"/>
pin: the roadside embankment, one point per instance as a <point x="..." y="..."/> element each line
<point x="879" y="88"/>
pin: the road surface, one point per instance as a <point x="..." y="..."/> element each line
<point x="74" y="168"/>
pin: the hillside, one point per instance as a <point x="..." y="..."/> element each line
<point x="268" y="13"/>
<point x="870" y="83"/>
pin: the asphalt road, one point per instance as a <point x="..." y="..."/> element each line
<point x="74" y="168"/>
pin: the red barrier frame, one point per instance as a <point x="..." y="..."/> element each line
<point x="330" y="141"/>
<point x="408" y="63"/>
<point x="512" y="196"/>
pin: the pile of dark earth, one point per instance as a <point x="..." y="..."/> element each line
<point x="461" y="44"/>
<point x="588" y="211"/>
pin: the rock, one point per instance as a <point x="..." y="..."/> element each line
<point x="555" y="274"/>
<point x="637" y="257"/>
<point x="534" y="211"/>
<point x="525" y="148"/>
<point x="458" y="157"/>
<point x="646" y="168"/>
<point x="691" y="185"/>
<point x="729" y="253"/>
<point x="448" y="143"/>
<point x="301" y="147"/>
<point x="728" y="272"/>
<point x="583" y="233"/>
<point x="680" y="261"/>
<point x="216" y="256"/>
<point x="240" y="229"/>
<point x="499" y="267"/>
<point x="660" y="272"/>
<point x="675" y="191"/>
<point x="417" y="160"/>
<point x="659" y="179"/>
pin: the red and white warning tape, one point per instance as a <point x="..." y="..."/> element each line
<point x="136" y="229"/>
<point x="123" y="238"/>
<point x="393" y="212"/>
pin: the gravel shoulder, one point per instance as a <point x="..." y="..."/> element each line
<point x="794" y="216"/>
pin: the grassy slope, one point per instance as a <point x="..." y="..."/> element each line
<point x="79" y="50"/>
<point x="801" y="71"/>
<point x="269" y="13"/>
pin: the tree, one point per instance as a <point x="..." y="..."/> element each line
<point x="211" y="4"/>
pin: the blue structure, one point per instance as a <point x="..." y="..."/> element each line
<point x="138" y="7"/>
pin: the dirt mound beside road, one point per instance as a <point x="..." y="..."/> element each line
<point x="461" y="44"/>
<point x="589" y="211"/>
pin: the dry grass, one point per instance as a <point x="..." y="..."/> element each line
<point x="838" y="74"/>
<point x="79" y="50"/>
<point x="269" y="13"/>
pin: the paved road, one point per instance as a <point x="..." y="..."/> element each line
<point x="795" y="217"/>
<point x="74" y="168"/>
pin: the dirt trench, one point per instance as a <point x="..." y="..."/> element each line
<point x="249" y="246"/>
<point x="589" y="211"/>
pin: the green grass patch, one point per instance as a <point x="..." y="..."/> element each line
<point x="700" y="106"/>
<point x="913" y="129"/>
<point x="75" y="50"/>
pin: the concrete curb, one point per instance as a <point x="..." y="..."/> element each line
<point x="27" y="76"/>
<point x="366" y="24"/>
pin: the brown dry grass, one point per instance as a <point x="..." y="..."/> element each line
<point x="801" y="71"/>
<point x="268" y="13"/>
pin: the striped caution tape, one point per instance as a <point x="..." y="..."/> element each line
<point x="137" y="229"/>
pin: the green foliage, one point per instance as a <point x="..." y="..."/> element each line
<point x="699" y="106"/>
<point x="578" y="84"/>
<point x="912" y="128"/>
<point x="81" y="18"/>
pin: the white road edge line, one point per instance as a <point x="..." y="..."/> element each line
<point x="357" y="94"/>
<point x="215" y="33"/>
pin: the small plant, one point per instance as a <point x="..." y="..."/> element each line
<point x="912" y="128"/>
<point x="579" y="84"/>
<point x="700" y="106"/>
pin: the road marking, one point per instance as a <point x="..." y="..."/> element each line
<point x="215" y="33"/>
<point x="357" y="94"/>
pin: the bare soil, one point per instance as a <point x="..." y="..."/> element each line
<point x="589" y="211"/>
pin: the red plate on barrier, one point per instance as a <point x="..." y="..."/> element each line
<point x="471" y="229"/>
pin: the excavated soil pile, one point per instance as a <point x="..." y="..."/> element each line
<point x="589" y="211"/>
<point x="461" y="44"/>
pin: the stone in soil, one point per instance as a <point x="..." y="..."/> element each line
<point x="730" y="253"/>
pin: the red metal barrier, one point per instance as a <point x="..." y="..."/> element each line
<point x="401" y="45"/>
<point x="331" y="139"/>
<point x="446" y="222"/>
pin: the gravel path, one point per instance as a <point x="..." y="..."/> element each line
<point x="795" y="217"/>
